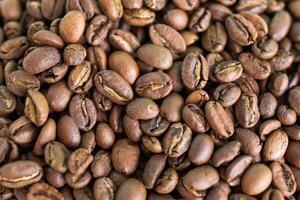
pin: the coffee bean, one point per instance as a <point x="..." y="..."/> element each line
<point x="84" y="6"/>
<point x="113" y="86"/>
<point x="200" y="20"/>
<point x="104" y="189"/>
<point x="139" y="17"/>
<point x="131" y="189"/>
<point x="194" y="117"/>
<point x="97" y="30"/>
<point x="43" y="190"/>
<point x="112" y="9"/>
<point x="201" y="149"/>
<point x="20" y="173"/>
<point x="194" y="72"/>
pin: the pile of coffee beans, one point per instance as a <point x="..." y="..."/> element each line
<point x="149" y="99"/>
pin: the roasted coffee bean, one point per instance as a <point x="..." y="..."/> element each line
<point x="176" y="18"/>
<point x="125" y="156"/>
<point x="227" y="94"/>
<point x="58" y="96"/>
<point x="177" y="139"/>
<point x="155" y="126"/>
<point x="20" y="173"/>
<point x="153" y="170"/>
<point x="283" y="178"/>
<point x="101" y="165"/>
<point x="228" y="71"/>
<point x="265" y="48"/>
<point x="122" y="63"/>
<point x="166" y="36"/>
<point x="43" y="191"/>
<point x="200" y="20"/>
<point x="250" y="142"/>
<point x="112" y="9"/>
<point x="171" y="107"/>
<point x="36" y="107"/>
<point x="194" y="71"/>
<point x="226" y="153"/>
<point x="218" y="119"/>
<point x="52" y="9"/>
<point x="246" y="110"/>
<point x="241" y="30"/>
<point x="81" y="78"/>
<point x="280" y="25"/>
<point x="142" y="109"/>
<point x="201" y="149"/>
<point x="85" y="6"/>
<point x="139" y="17"/>
<point x="13" y="48"/>
<point x="97" y="30"/>
<point x="256" y="179"/>
<point x="214" y="38"/>
<point x="56" y="156"/>
<point x="155" y="56"/>
<point x="194" y="117"/>
<point x="104" y="189"/>
<point x="54" y="178"/>
<point x="71" y="26"/>
<point x="40" y="59"/>
<point x="113" y="86"/>
<point x="154" y="85"/>
<point x="200" y="178"/>
<point x="131" y="189"/>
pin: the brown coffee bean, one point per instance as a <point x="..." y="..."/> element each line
<point x="282" y="60"/>
<point x="292" y="152"/>
<point x="54" y="178"/>
<point x="52" y="9"/>
<point x="83" y="111"/>
<point x="139" y="17"/>
<point x="166" y="36"/>
<point x="58" y="96"/>
<point x="97" y="30"/>
<point x="194" y="72"/>
<point x="80" y="79"/>
<point x="227" y="94"/>
<point x="105" y="137"/>
<point x="56" y="156"/>
<point x="132" y="4"/>
<point x="155" y="56"/>
<point x="142" y="109"/>
<point x="101" y="165"/>
<point x="131" y="189"/>
<point x="250" y="142"/>
<point x="240" y="30"/>
<point x="132" y="128"/>
<point x="255" y="6"/>
<point x="22" y="131"/>
<point x="218" y="119"/>
<point x="286" y="115"/>
<point x="283" y="178"/>
<point x="20" y="173"/>
<point x="113" y="86"/>
<point x="293" y="99"/>
<point x="293" y="131"/>
<point x="219" y="12"/>
<point x="200" y="178"/>
<point x="226" y="153"/>
<point x="254" y="67"/>
<point x="260" y="24"/>
<point x="194" y="117"/>
<point x="246" y="110"/>
<point x="84" y="6"/>
<point x="125" y="156"/>
<point x="153" y="169"/>
<point x="152" y="144"/>
<point x="47" y="134"/>
<point x="154" y="85"/>
<point x="280" y="25"/>
<point x="228" y="71"/>
<point x="219" y="191"/>
<point x="112" y="9"/>
<point x="176" y="18"/>
<point x="236" y="168"/>
<point x="104" y="189"/>
<point x="78" y="161"/>
<point x="186" y="4"/>
<point x="214" y="38"/>
<point x="155" y="5"/>
<point x="78" y="182"/>
<point x="265" y="48"/>
<point x="11" y="9"/>
<point x="171" y="107"/>
<point x="177" y="139"/>
<point x="74" y="54"/>
<point x="43" y="191"/>
<point x="122" y="63"/>
<point x="54" y="74"/>
<point x="267" y="105"/>
<point x="71" y="26"/>
<point x="238" y="196"/>
<point x="40" y="59"/>
<point x="7" y="101"/>
<point x="36" y="107"/>
<point x="201" y="149"/>
<point x="115" y="118"/>
<point x="124" y="40"/>
<point x="97" y="56"/>
<point x="88" y="141"/>
<point x="278" y="83"/>
<point x="200" y="20"/>
<point x="167" y="181"/>
<point x="256" y="179"/>
<point x="155" y="126"/>
<point x="82" y="193"/>
<point x="44" y="37"/>
<point x="272" y="194"/>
